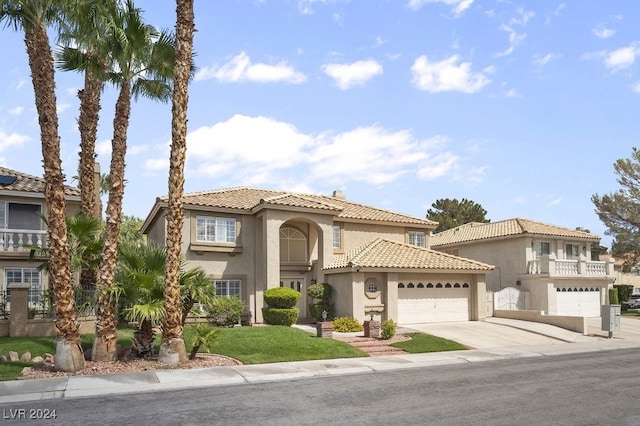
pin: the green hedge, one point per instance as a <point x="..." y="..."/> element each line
<point x="346" y="325"/>
<point x="387" y="329"/>
<point x="280" y="316"/>
<point x="320" y="291"/>
<point x="281" y="297"/>
<point x="315" y="310"/>
<point x="225" y="311"/>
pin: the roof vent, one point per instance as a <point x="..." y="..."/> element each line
<point x="339" y="195"/>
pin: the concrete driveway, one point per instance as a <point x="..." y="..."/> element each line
<point x="485" y="334"/>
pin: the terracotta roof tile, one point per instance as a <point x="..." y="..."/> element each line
<point x="383" y="253"/>
<point x="28" y="183"/>
<point x="247" y="199"/>
<point x="475" y="231"/>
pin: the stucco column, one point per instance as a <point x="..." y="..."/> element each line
<point x="358" y="296"/>
<point x="551" y="299"/>
<point x="479" y="298"/>
<point x="19" y="309"/>
<point x="391" y="298"/>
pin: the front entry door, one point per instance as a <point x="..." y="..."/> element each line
<point x="297" y="284"/>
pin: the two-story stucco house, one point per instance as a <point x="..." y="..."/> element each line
<point x="22" y="206"/>
<point x="552" y="263"/>
<point x="379" y="262"/>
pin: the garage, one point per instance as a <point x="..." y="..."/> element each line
<point x="433" y="302"/>
<point x="578" y="302"/>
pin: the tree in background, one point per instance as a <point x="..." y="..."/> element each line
<point x="620" y="210"/>
<point x="452" y="213"/>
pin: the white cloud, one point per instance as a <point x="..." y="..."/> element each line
<point x="62" y="108"/>
<point x="555" y="201"/>
<point x="544" y="59"/>
<point x="240" y="69"/>
<point x="446" y="75"/>
<point x="12" y="140"/>
<point x="16" y="110"/>
<point x="356" y="73"/>
<point x="515" y="38"/>
<point x="306" y="6"/>
<point x="137" y="149"/>
<point x="458" y="6"/>
<point x="260" y="150"/>
<point x="603" y="32"/>
<point x="636" y="87"/>
<point x="103" y="147"/>
<point x="512" y="93"/>
<point x="621" y="58"/>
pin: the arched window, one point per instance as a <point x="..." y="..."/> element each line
<point x="465" y="285"/>
<point x="293" y="245"/>
<point x="410" y="285"/>
<point x="456" y="285"/>
<point x="429" y="285"/>
<point x="400" y="285"/>
<point x="420" y="285"/>
<point x="439" y="285"/>
<point x="447" y="285"/>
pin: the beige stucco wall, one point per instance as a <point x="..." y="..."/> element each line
<point x="359" y="234"/>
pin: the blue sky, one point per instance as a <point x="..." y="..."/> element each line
<point x="521" y="106"/>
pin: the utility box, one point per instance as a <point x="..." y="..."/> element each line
<point x="610" y="318"/>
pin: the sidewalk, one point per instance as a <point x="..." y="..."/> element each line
<point x="161" y="380"/>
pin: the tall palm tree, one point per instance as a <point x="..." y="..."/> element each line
<point x="33" y="17"/>
<point x="142" y="61"/>
<point x="172" y="349"/>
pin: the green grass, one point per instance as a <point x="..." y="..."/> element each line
<point x="258" y="345"/>
<point x="421" y="343"/>
<point x="38" y="346"/>
<point x="12" y="370"/>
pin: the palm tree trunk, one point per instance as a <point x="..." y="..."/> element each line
<point x="104" y="344"/>
<point x="172" y="349"/>
<point x="88" y="126"/>
<point x="142" y="345"/>
<point x="69" y="356"/>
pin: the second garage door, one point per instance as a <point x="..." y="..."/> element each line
<point x="442" y="304"/>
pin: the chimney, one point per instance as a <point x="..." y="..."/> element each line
<point x="338" y="194"/>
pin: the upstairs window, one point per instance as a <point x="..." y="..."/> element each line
<point x="543" y="248"/>
<point x="572" y="251"/>
<point x="228" y="288"/>
<point x="215" y="229"/>
<point x="417" y="238"/>
<point x="337" y="237"/>
<point x="20" y="216"/>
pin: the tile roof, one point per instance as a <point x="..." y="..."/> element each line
<point x="383" y="253"/>
<point x="28" y="183"/>
<point x="248" y="199"/>
<point x="475" y="231"/>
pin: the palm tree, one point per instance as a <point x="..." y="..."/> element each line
<point x="172" y="349"/>
<point x="33" y="17"/>
<point x="139" y="290"/>
<point x="142" y="61"/>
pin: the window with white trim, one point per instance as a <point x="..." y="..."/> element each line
<point x="572" y="251"/>
<point x="215" y="229"/>
<point x="228" y="288"/>
<point x="337" y="237"/>
<point x="29" y="276"/>
<point x="543" y="248"/>
<point x="417" y="238"/>
<point x="293" y="245"/>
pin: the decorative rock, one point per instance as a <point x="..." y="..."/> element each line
<point x="38" y="360"/>
<point x="13" y="356"/>
<point x="3" y="358"/>
<point x="26" y="357"/>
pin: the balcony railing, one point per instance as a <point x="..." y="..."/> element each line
<point x="548" y="264"/>
<point x="19" y="239"/>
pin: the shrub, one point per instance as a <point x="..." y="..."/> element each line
<point x="346" y="325"/>
<point x="281" y="297"/>
<point x="613" y="296"/>
<point x="225" y="311"/>
<point x="316" y="309"/>
<point x="280" y="316"/>
<point x="320" y="291"/>
<point x="387" y="329"/>
<point x="624" y="291"/>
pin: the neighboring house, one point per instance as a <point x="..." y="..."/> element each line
<point x="22" y="207"/>
<point x="377" y="261"/>
<point x="631" y="278"/>
<point x="552" y="263"/>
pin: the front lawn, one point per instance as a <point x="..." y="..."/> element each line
<point x="421" y="343"/>
<point x="258" y="345"/>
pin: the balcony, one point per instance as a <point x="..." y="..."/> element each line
<point x="17" y="240"/>
<point x="549" y="265"/>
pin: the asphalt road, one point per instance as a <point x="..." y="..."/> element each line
<point x="600" y="388"/>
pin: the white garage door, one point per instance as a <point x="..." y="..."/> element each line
<point x="578" y="302"/>
<point x="423" y="305"/>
